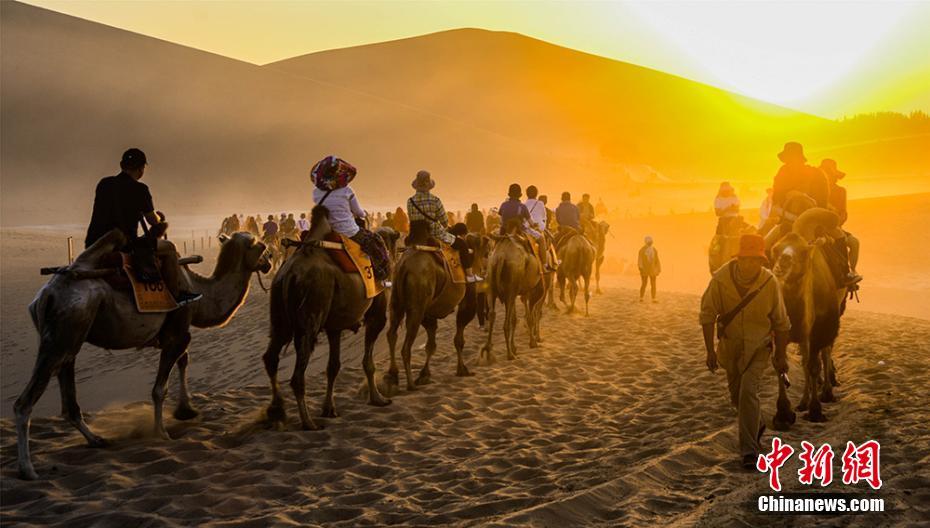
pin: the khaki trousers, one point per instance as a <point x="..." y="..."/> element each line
<point x="744" y="374"/>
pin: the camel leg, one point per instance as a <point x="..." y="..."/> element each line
<point x="488" y="348"/>
<point x="510" y="327"/>
<point x="531" y="319"/>
<point x="805" y="394"/>
<point x="597" y="275"/>
<point x="271" y="359"/>
<point x="587" y="292"/>
<point x="561" y="280"/>
<point x="550" y="295"/>
<point x="184" y="410"/>
<point x="572" y="294"/>
<point x="826" y="392"/>
<point x="169" y="356"/>
<point x="784" y="416"/>
<point x="375" y="319"/>
<point x="70" y="409"/>
<point x="332" y="370"/>
<point x="47" y="361"/>
<point x="397" y="317"/>
<point x="463" y="316"/>
<point x="430" y="325"/>
<point x="815" y="409"/>
<point x="303" y="344"/>
<point x="414" y="320"/>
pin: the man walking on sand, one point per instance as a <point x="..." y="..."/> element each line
<point x="743" y="304"/>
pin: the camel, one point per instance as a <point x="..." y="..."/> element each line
<point x="79" y="306"/>
<point x="577" y="256"/>
<point x="424" y="293"/>
<point x="311" y="294"/>
<point x="598" y="236"/>
<point x="814" y="301"/>
<point x="514" y="271"/>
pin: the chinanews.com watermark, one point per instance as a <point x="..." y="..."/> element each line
<point x="858" y="464"/>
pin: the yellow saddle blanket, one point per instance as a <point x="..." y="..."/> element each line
<point x="363" y="264"/>
<point x="150" y="297"/>
<point x="450" y="260"/>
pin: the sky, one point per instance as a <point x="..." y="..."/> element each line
<point x="832" y="59"/>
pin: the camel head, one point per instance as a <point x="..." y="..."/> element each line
<point x="242" y="252"/>
<point x="480" y="245"/>
<point x="419" y="232"/>
<point x="390" y="237"/>
<point x="514" y="226"/>
<point x="791" y="256"/>
<point x="797" y="202"/>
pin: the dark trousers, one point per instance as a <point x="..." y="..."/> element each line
<point x="642" y="288"/>
<point x="465" y="256"/>
<point x="374" y="246"/>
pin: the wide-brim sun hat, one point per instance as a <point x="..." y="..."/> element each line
<point x="423" y="182"/>
<point x="793" y="151"/>
<point x="828" y="166"/>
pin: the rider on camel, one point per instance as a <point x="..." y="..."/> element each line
<point x="123" y="202"/>
<point x="513" y="209"/>
<point x="838" y="204"/>
<point x="568" y="217"/>
<point x="331" y="177"/>
<point x="425" y="206"/>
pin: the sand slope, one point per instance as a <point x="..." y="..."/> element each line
<point x="613" y="421"/>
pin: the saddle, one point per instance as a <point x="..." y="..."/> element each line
<point x="117" y="270"/>
<point x="448" y="258"/>
<point x="348" y="256"/>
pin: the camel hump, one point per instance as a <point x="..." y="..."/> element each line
<point x="816" y="222"/>
<point x="90" y="258"/>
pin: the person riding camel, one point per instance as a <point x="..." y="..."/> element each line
<point x="837" y="201"/>
<point x="401" y="222"/>
<point x="586" y="208"/>
<point x="331" y="177"/>
<point x="601" y="208"/>
<point x="289" y="227"/>
<point x="474" y="220"/>
<point x="492" y="221"/>
<point x="538" y="221"/>
<point x="425" y="206"/>
<point x="726" y="207"/>
<point x="270" y="231"/>
<point x="303" y="224"/>
<point x="568" y="217"/>
<point x="514" y="209"/>
<point x="123" y="202"/>
<point x="796" y="175"/>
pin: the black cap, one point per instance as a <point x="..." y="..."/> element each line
<point x="133" y="159"/>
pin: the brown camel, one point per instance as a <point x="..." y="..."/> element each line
<point x="814" y="301"/>
<point x="311" y="294"/>
<point x="597" y="232"/>
<point x="514" y="271"/>
<point x="69" y="311"/>
<point x="577" y="257"/>
<point x="424" y="293"/>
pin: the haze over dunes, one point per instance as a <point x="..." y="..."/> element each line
<point x="478" y="108"/>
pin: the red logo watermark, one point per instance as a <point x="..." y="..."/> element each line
<point x="860" y="463"/>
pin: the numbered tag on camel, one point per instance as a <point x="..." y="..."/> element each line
<point x="363" y="262"/>
<point x="453" y="264"/>
<point x="150" y="297"/>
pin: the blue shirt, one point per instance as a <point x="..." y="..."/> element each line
<point x="566" y="214"/>
<point x="512" y="209"/>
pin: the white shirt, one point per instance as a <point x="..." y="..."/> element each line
<point x="722" y="202"/>
<point x="343" y="209"/>
<point x="537" y="211"/>
<point x="303" y="224"/>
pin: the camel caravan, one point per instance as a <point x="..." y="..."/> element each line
<point x="752" y="311"/>
<point x="786" y="280"/>
<point x="330" y="273"/>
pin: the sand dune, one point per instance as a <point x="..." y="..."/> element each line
<point x="612" y="421"/>
<point x="478" y="108"/>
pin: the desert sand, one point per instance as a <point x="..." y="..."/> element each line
<point x="614" y="420"/>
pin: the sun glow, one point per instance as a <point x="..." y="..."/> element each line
<point x="785" y="53"/>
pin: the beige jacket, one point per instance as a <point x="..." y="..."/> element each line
<point x="751" y="329"/>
